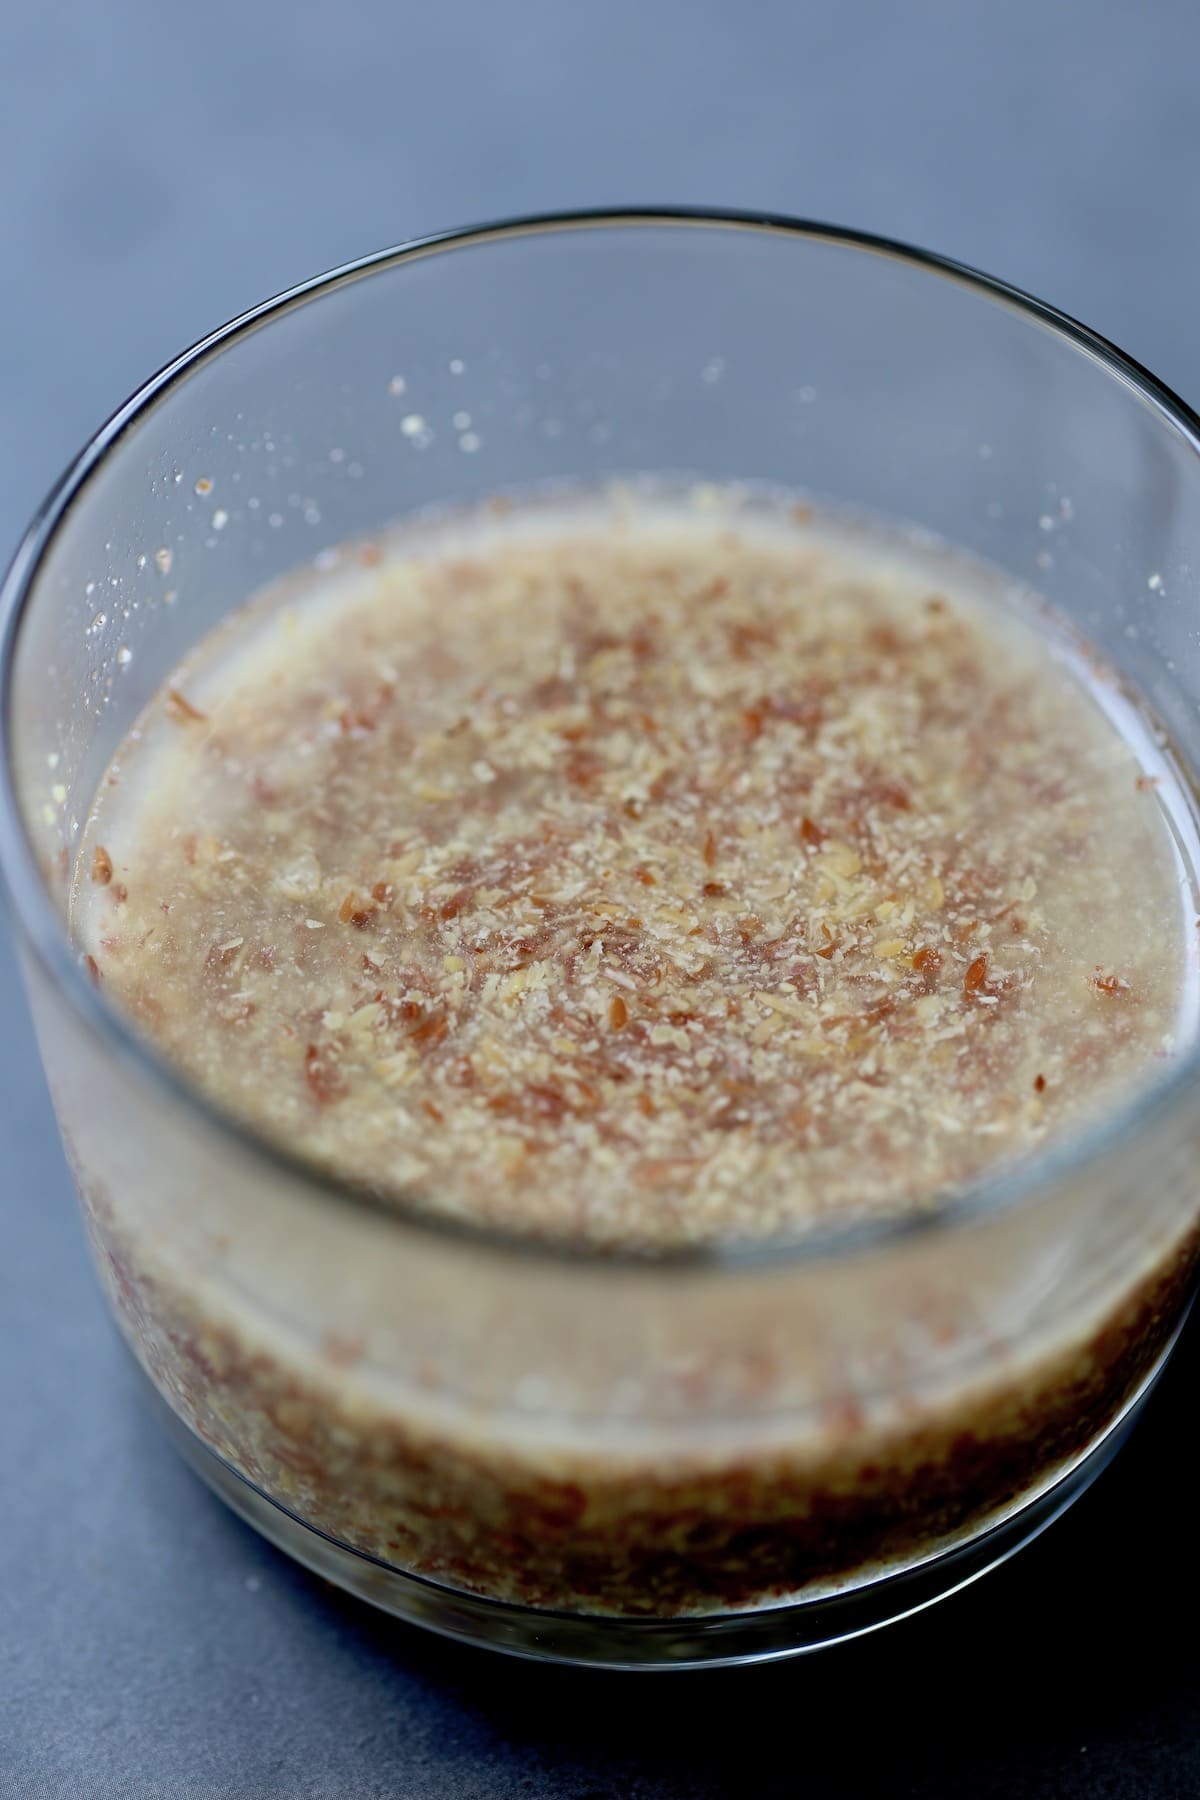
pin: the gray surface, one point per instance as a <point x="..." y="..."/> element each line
<point x="163" y="166"/>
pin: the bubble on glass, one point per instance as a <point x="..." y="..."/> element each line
<point x="1044" y="560"/>
<point x="140" y="560"/>
<point x="337" y="456"/>
<point x="470" y="441"/>
<point x="312" y="513"/>
<point x="220" y="519"/>
<point x="457" y="365"/>
<point x="806" y="395"/>
<point x="1045" y="523"/>
<point x="355" y="471"/>
<point x="713" y="369"/>
<point x="985" y="453"/>
<point x="397" y="385"/>
<point x="275" y="520"/>
<point x="416" y="430"/>
<point x="462" y="421"/>
<point x="124" y="656"/>
<point x="1154" y="583"/>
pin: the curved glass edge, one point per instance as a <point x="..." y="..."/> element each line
<point x="42" y="928"/>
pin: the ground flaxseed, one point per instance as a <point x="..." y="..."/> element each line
<point x="644" y="882"/>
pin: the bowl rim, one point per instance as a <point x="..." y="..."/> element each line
<point x="44" y="934"/>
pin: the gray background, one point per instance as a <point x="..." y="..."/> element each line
<point x="163" y="166"/>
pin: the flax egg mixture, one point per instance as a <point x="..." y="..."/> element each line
<point x="643" y="874"/>
<point x="644" y="882"/>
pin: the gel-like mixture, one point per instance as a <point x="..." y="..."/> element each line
<point x="643" y="874"/>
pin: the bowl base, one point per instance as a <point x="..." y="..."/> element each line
<point x="790" y="1628"/>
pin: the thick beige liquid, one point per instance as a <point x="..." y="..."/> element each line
<point x="644" y="874"/>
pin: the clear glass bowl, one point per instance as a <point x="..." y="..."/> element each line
<point x="711" y="1456"/>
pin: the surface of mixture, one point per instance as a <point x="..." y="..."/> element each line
<point x="641" y="876"/>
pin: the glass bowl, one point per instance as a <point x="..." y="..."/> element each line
<point x="705" y="1456"/>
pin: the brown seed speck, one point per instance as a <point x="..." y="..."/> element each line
<point x="753" y="720"/>
<point x="321" y="1077"/>
<point x="341" y="1351"/>
<point x="102" y="869"/>
<point x="975" y="976"/>
<point x="618" y="1013"/>
<point x="181" y="709"/>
